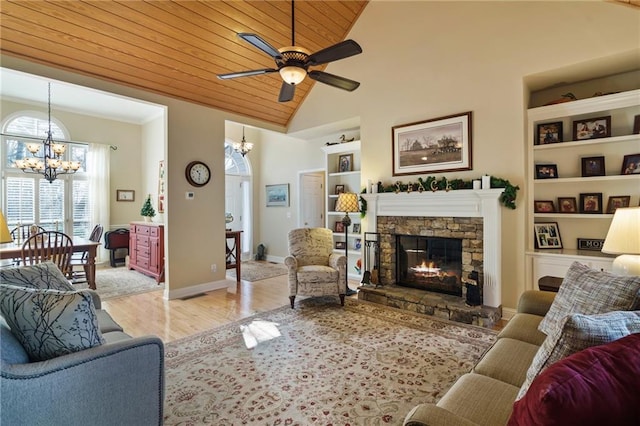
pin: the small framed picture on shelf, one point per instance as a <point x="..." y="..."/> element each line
<point x="617" y="201"/>
<point x="345" y="163"/>
<point x="357" y="244"/>
<point x="543" y="206"/>
<point x="594" y="244"/>
<point x="356" y="228"/>
<point x="636" y="125"/>
<point x="592" y="128"/>
<point x="549" y="133"/>
<point x="591" y="203"/>
<point x="567" y="205"/>
<point x="339" y="189"/>
<point x="338" y="227"/>
<point x="630" y="164"/>
<point x="547" y="235"/>
<point x="546" y="171"/>
<point x="341" y="245"/>
<point x="592" y="166"/>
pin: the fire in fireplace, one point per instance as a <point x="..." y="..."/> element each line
<point x="429" y="263"/>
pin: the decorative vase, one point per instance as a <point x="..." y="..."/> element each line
<point x="147" y="218"/>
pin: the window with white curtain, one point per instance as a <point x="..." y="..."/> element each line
<point x="29" y="198"/>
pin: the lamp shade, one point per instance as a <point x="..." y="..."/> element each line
<point x="623" y="238"/>
<point x="624" y="233"/>
<point x="5" y="235"/>
<point x="347" y="203"/>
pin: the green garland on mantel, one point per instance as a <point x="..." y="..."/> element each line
<point x="431" y="183"/>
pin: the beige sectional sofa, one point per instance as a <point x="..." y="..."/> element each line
<point x="591" y="311"/>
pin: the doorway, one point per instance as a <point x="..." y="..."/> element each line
<point x="311" y="196"/>
<point x="238" y="196"/>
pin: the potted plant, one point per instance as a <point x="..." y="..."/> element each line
<point x="147" y="209"/>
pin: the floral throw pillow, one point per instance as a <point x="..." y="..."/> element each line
<point x="588" y="291"/>
<point x="49" y="323"/>
<point x="41" y="275"/>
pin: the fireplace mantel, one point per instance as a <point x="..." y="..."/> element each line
<point x="457" y="203"/>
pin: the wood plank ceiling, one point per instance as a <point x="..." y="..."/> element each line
<point x="176" y="48"/>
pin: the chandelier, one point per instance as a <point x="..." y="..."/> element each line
<point x="243" y="147"/>
<point x="50" y="163"/>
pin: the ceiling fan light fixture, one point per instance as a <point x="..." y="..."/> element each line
<point x="293" y="75"/>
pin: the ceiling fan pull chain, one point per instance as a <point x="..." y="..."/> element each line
<point x="293" y="25"/>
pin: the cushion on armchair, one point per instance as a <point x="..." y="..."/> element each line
<point x="587" y="291"/>
<point x="596" y="386"/>
<point x="49" y="323"/>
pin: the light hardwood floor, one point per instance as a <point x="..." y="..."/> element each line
<point x="148" y="313"/>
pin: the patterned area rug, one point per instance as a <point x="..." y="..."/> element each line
<point x="253" y="270"/>
<point x="118" y="282"/>
<point x="363" y="364"/>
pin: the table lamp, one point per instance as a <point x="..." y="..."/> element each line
<point x="347" y="203"/>
<point x="5" y="235"/>
<point x="623" y="238"/>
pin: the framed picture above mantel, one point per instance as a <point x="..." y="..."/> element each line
<point x="436" y="145"/>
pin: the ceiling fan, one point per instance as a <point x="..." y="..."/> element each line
<point x="293" y="63"/>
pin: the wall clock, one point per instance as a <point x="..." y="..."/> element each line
<point x="197" y="173"/>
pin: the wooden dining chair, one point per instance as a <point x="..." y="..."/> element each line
<point x="19" y="234"/>
<point x="82" y="259"/>
<point x="53" y="246"/>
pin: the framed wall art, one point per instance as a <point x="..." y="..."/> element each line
<point x="567" y="205"/>
<point x="546" y="171"/>
<point x="592" y="128"/>
<point x="591" y="203"/>
<point x="161" y="183"/>
<point x="548" y="133"/>
<point x="592" y="166"/>
<point x="547" y="235"/>
<point x="125" y="195"/>
<point x="617" y="201"/>
<point x="339" y="189"/>
<point x="543" y="206"/>
<point x="630" y="164"/>
<point x="437" y="145"/>
<point x="277" y="195"/>
<point x="345" y="163"/>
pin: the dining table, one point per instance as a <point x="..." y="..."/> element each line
<point x="13" y="250"/>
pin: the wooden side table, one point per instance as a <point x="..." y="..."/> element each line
<point x="234" y="252"/>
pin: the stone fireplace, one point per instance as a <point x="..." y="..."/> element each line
<point x="471" y="217"/>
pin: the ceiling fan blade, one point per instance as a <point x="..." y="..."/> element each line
<point x="258" y="42"/>
<point x="334" y="80"/>
<point x="286" y="92"/>
<point x="338" y="51"/>
<point x="246" y="73"/>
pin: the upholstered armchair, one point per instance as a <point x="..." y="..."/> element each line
<point x="313" y="268"/>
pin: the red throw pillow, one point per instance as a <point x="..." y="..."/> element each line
<point x="597" y="386"/>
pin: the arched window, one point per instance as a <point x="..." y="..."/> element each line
<point x="238" y="194"/>
<point x="29" y="198"/>
<point x="234" y="162"/>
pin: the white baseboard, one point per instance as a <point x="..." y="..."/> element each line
<point x="276" y="259"/>
<point x="182" y="293"/>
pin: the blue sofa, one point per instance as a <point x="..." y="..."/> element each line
<point x="119" y="382"/>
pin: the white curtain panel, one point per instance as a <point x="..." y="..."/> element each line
<point x="98" y="165"/>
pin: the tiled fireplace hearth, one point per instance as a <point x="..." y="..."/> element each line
<point x="473" y="216"/>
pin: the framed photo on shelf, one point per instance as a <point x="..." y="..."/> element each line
<point x="338" y="227"/>
<point x="617" y="201"/>
<point x="341" y="245"/>
<point x="546" y="171"/>
<point x="592" y="128"/>
<point x="636" y="125"/>
<point x="592" y="166"/>
<point x="356" y="228"/>
<point x="125" y="195"/>
<point x="548" y="133"/>
<point x="543" y="206"/>
<point x="339" y="189"/>
<point x="277" y="195"/>
<point x="594" y="244"/>
<point x="567" y="205"/>
<point x="345" y="163"/>
<point x="436" y="145"/>
<point x="547" y="235"/>
<point x="630" y="164"/>
<point x="357" y="244"/>
<point x="591" y="203"/>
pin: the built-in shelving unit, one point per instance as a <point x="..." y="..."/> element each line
<point x="350" y="182"/>
<point x="567" y="156"/>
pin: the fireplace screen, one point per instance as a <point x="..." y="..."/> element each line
<point x="429" y="263"/>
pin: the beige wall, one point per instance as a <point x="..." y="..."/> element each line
<point x="424" y="60"/>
